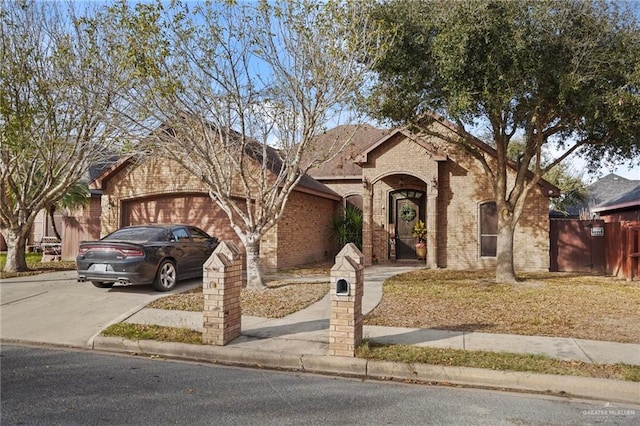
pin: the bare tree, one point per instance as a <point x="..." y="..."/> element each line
<point x="55" y="112"/>
<point x="237" y="94"/>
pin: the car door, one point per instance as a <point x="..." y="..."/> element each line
<point x="183" y="251"/>
<point x="204" y="244"/>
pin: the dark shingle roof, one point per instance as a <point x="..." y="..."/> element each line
<point x="343" y="165"/>
<point x="630" y="198"/>
<point x="609" y="187"/>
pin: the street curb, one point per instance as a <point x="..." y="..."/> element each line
<point x="587" y="387"/>
<point x="584" y="387"/>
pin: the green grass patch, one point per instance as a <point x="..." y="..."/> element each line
<point x="36" y="266"/>
<point x="502" y="361"/>
<point x="154" y="332"/>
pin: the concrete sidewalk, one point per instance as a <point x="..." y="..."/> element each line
<point x="301" y="342"/>
<point x="306" y="332"/>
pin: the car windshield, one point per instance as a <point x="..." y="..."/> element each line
<point x="138" y="234"/>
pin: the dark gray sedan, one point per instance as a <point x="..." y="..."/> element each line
<point x="145" y="254"/>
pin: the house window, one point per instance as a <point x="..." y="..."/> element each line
<point x="488" y="229"/>
<point x="354" y="201"/>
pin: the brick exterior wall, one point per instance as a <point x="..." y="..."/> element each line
<point x="454" y="189"/>
<point x="304" y="233"/>
<point x="306" y="217"/>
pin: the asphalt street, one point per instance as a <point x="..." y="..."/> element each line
<point x="70" y="387"/>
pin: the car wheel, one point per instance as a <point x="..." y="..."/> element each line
<point x="102" y="284"/>
<point x="167" y="276"/>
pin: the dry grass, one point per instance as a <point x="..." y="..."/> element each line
<point x="413" y="354"/>
<point x="543" y="304"/>
<point x="599" y="308"/>
<point x="277" y="301"/>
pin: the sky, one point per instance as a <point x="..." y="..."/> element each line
<point x="621" y="170"/>
<point x="629" y="170"/>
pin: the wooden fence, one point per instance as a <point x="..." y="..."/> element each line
<point x="622" y="251"/>
<point x="75" y="230"/>
<point x="577" y="246"/>
<point x="594" y="246"/>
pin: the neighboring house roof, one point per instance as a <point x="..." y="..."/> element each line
<point x="625" y="200"/>
<point x="609" y="187"/>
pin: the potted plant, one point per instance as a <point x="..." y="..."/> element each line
<point x="419" y="231"/>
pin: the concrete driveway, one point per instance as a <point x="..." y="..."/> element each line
<point x="55" y="309"/>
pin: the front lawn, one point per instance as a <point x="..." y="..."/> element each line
<point x="276" y="301"/>
<point x="543" y="304"/>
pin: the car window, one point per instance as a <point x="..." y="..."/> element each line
<point x="139" y="234"/>
<point x="181" y="235"/>
<point x="198" y="235"/>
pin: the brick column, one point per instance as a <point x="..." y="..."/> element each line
<point x="347" y="287"/>
<point x="221" y="286"/>
<point x="367" y="222"/>
<point x="432" y="228"/>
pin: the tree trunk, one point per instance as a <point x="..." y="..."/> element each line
<point x="254" y="273"/>
<point x="16" y="246"/>
<point x="505" y="272"/>
<point x="51" y="211"/>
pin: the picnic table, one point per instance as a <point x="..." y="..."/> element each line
<point x="50" y="247"/>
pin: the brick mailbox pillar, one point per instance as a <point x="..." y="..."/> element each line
<point x="347" y="282"/>
<point x="221" y="286"/>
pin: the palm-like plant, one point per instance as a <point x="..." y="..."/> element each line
<point x="77" y="196"/>
<point x="347" y="226"/>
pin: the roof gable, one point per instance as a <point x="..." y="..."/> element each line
<point x="362" y="158"/>
<point x="348" y="165"/>
<point x="254" y="150"/>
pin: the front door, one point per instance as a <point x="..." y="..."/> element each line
<point x="407" y="214"/>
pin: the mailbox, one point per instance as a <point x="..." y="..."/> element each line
<point x="343" y="287"/>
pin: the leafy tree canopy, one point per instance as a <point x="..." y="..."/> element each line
<point x="561" y="73"/>
<point x="564" y="72"/>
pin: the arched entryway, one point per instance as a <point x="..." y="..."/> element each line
<point x="406" y="208"/>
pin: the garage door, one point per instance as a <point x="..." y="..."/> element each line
<point x="191" y="209"/>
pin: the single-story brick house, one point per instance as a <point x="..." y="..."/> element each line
<point x="386" y="173"/>
<point x="399" y="177"/>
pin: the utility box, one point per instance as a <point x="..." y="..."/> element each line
<point x="347" y="288"/>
